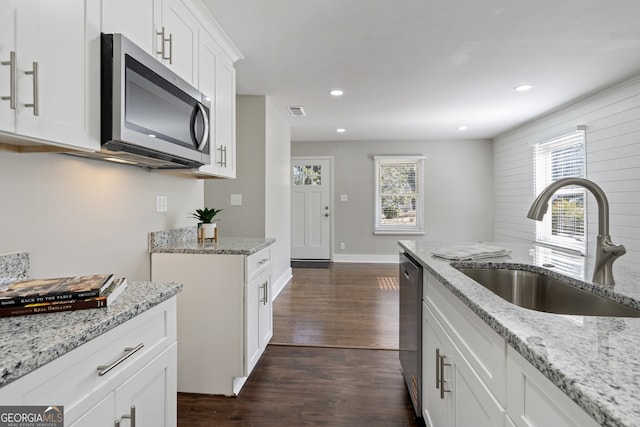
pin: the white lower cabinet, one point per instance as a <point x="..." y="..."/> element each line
<point x="137" y="401"/>
<point x="453" y="394"/>
<point x="534" y="401"/>
<point x="471" y="377"/>
<point x="259" y="319"/>
<point x="141" y="384"/>
<point x="224" y="316"/>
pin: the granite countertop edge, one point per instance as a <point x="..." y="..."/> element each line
<point x="228" y="246"/>
<point x="30" y="346"/>
<point x="601" y="403"/>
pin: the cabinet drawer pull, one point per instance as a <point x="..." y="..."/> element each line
<point x="128" y="352"/>
<point x="263" y="261"/>
<point x="35" y="104"/>
<point x="12" y="80"/>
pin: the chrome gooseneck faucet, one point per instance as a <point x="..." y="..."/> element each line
<point x="606" y="251"/>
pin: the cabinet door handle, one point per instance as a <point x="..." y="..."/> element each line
<point x="163" y="42"/>
<point x="131" y="416"/>
<point x="442" y="380"/>
<point x="161" y="50"/>
<point x="12" y="80"/>
<point x="128" y="352"/>
<point x="223" y="156"/>
<point x="265" y="297"/>
<point x="35" y="103"/>
<point x="266" y="293"/>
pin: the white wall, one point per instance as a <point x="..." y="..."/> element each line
<point x="277" y="183"/>
<point x="80" y="216"/>
<point x="458" y="186"/>
<point x="612" y="118"/>
<point x="263" y="155"/>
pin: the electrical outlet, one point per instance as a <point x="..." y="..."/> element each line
<point x="342" y="245"/>
<point x="344" y="197"/>
<point x="161" y="203"/>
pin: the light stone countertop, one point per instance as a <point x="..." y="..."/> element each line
<point x="184" y="240"/>
<point x="593" y="360"/>
<point x="14" y="266"/>
<point x="30" y="341"/>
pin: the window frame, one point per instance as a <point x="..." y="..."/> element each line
<point x="418" y="228"/>
<point x="543" y="176"/>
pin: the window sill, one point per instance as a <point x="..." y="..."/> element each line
<point x="399" y="232"/>
<point x="558" y="248"/>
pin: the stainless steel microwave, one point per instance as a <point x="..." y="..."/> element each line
<point x="149" y="115"/>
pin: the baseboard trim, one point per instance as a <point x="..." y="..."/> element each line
<point x="281" y="282"/>
<point x="364" y="258"/>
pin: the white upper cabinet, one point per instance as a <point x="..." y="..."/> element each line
<point x="183" y="36"/>
<point x="225" y="118"/>
<point x="137" y="20"/>
<point x="203" y="55"/>
<point x="179" y="39"/>
<point x="7" y="56"/>
<point x="50" y="73"/>
<point x="217" y="79"/>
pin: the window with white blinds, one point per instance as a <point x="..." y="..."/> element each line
<point x="399" y="201"/>
<point x="564" y="225"/>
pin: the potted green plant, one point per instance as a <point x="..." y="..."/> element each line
<point x="206" y="226"/>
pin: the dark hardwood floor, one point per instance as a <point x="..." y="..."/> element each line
<point x="346" y="305"/>
<point x="333" y="360"/>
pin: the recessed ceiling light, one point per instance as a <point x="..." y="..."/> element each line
<point x="523" y="88"/>
<point x="336" y="92"/>
<point x="463" y="127"/>
<point x="341" y="130"/>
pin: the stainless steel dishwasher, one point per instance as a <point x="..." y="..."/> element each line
<point x="411" y="328"/>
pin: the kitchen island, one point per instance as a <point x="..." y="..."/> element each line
<point x="593" y="360"/>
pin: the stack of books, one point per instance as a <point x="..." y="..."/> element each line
<point x="34" y="296"/>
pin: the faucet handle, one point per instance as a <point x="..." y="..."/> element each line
<point x="615" y="250"/>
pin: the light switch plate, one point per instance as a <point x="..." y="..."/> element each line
<point x="343" y="198"/>
<point x="161" y="203"/>
<point x="236" y="200"/>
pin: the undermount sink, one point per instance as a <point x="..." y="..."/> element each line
<point x="540" y="292"/>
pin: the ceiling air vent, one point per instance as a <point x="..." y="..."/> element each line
<point x="296" y="111"/>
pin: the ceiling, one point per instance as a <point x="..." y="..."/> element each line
<point x="420" y="69"/>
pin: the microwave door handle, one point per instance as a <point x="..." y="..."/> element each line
<point x="205" y="119"/>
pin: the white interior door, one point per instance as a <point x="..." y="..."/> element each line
<point x="311" y="209"/>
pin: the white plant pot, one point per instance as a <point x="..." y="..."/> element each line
<point x="208" y="230"/>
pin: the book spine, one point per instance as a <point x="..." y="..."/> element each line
<point x="57" y="298"/>
<point x="99" y="302"/>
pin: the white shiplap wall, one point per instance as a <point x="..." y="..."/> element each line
<point x="612" y="118"/>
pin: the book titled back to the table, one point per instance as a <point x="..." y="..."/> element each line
<point x="104" y="300"/>
<point x="63" y="289"/>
